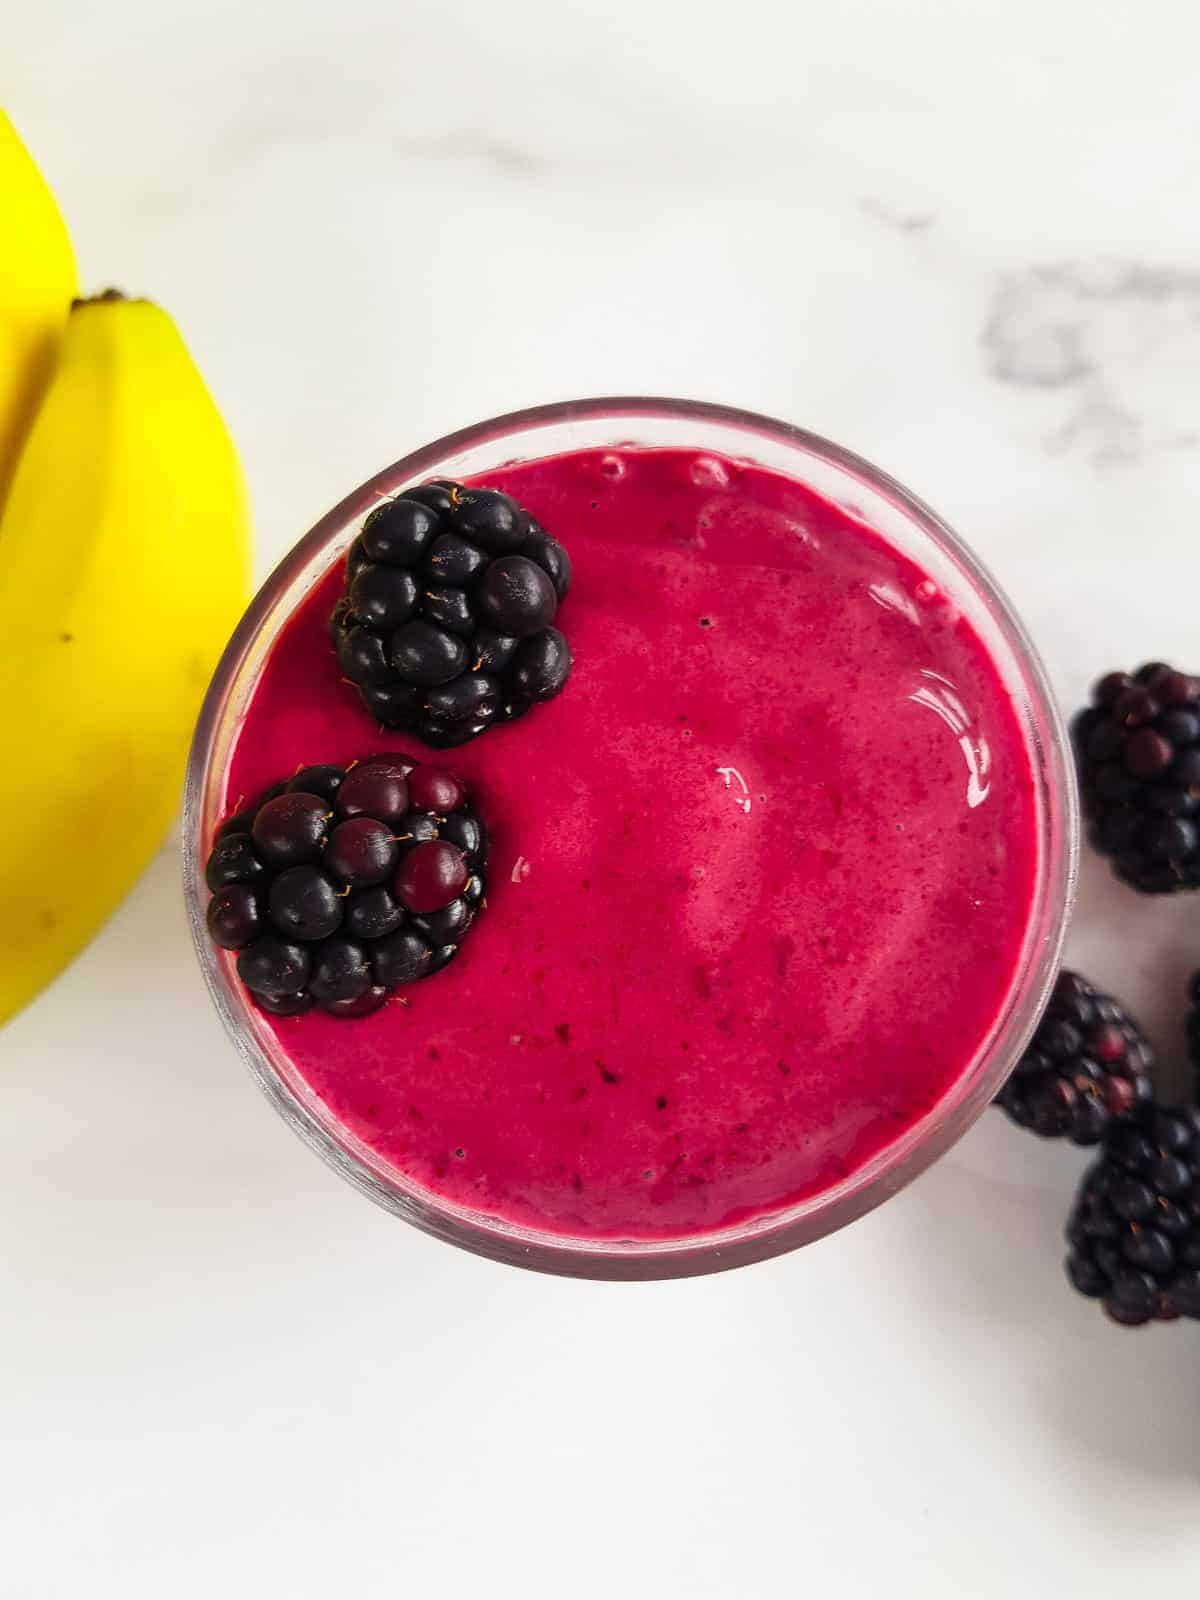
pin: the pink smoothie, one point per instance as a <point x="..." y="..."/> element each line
<point x="759" y="878"/>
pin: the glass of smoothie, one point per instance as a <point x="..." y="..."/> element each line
<point x="777" y="885"/>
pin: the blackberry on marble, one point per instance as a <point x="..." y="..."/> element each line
<point x="1137" y="748"/>
<point x="446" y="621"/>
<point x="1134" y="1231"/>
<point x="1086" y="1069"/>
<point x="336" y="894"/>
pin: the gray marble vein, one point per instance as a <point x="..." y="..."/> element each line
<point x="1109" y="337"/>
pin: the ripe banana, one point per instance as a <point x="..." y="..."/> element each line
<point x="37" y="282"/>
<point x="124" y="563"/>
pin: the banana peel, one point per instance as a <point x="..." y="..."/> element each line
<point x="37" y="285"/>
<point x="124" y="565"/>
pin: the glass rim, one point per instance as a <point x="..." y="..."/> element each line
<point x="896" y="1163"/>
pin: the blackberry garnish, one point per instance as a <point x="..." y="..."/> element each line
<point x="1134" y="1232"/>
<point x="1087" y="1067"/>
<point x="335" y="895"/>
<point x="1137" y="748"/>
<point x="445" y="624"/>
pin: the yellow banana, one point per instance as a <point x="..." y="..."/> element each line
<point x="124" y="563"/>
<point x="37" y="282"/>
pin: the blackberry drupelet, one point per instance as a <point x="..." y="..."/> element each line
<point x="1134" y="1231"/>
<point x="1086" y="1068"/>
<point x="334" y="896"/>
<point x="445" y="622"/>
<point x="1137" y="748"/>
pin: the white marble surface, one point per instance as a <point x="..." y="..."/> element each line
<point x="962" y="238"/>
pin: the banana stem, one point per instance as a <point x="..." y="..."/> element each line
<point x="106" y="297"/>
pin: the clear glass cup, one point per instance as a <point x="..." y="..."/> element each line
<point x="909" y="525"/>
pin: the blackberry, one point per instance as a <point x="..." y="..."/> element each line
<point x="334" y="895"/>
<point x="445" y="623"/>
<point x="1137" y="749"/>
<point x="1086" y="1069"/>
<point x="1134" y="1231"/>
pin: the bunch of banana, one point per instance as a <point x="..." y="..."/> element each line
<point x="124" y="563"/>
